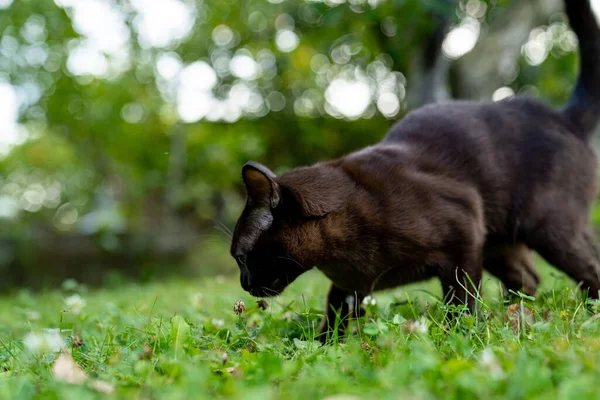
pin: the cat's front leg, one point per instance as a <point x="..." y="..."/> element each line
<point x="339" y="307"/>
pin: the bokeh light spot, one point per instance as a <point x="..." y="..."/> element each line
<point x="503" y="93"/>
<point x="349" y="98"/>
<point x="132" y="113"/>
<point x="388" y="104"/>
<point x="461" y="39"/>
<point x="286" y="40"/>
<point x="243" y="66"/>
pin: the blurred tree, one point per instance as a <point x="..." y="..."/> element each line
<point x="138" y="114"/>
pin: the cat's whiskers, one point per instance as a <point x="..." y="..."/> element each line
<point x="293" y="260"/>
<point x="224" y="229"/>
<point x="266" y="289"/>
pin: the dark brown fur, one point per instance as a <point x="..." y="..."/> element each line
<point x="451" y="189"/>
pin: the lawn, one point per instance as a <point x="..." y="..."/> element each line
<point x="182" y="340"/>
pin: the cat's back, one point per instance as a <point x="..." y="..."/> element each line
<point x="464" y="124"/>
<point x="505" y="151"/>
<point x="518" y="138"/>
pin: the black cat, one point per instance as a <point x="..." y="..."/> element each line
<point x="451" y="189"/>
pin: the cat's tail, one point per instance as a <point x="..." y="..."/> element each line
<point x="583" y="109"/>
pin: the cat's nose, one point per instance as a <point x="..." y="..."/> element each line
<point x="245" y="279"/>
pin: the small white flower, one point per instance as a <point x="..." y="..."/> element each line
<point x="48" y="341"/>
<point x="75" y="303"/>
<point x="420" y="326"/>
<point x="196" y="299"/>
<point x="33" y="342"/>
<point x="369" y="301"/>
<point x="488" y="360"/>
<point x="33" y="316"/>
<point x="218" y="323"/>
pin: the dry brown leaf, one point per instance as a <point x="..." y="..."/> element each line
<point x="262" y="304"/>
<point x="66" y="369"/>
<point x="147" y="353"/>
<point x="252" y="325"/>
<point x="77" y="341"/>
<point x="518" y="316"/>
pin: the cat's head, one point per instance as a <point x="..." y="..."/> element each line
<point x="280" y="233"/>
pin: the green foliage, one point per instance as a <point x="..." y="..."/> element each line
<point x="113" y="170"/>
<point x="183" y="340"/>
<point x="180" y="333"/>
<point x="79" y="122"/>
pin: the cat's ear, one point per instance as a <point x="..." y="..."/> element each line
<point x="263" y="195"/>
<point x="260" y="184"/>
<point x="318" y="190"/>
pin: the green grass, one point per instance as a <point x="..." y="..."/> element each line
<point x="182" y="340"/>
